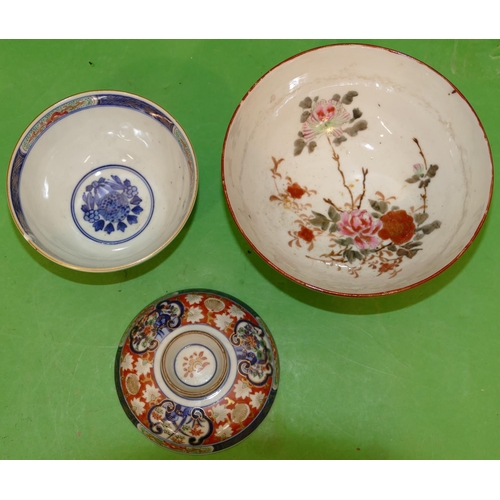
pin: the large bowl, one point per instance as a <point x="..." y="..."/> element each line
<point x="102" y="181"/>
<point x="197" y="371"/>
<point x="356" y="170"/>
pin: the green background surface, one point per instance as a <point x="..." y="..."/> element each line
<point x="410" y="376"/>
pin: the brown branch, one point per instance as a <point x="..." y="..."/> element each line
<point x="275" y="171"/>
<point x="330" y="202"/>
<point x="377" y="250"/>
<point x="336" y="157"/>
<point x="424" y="196"/>
<point x="415" y="140"/>
<point x="365" y="173"/>
<point x="329" y="262"/>
<point x="276" y="163"/>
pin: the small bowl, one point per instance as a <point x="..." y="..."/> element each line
<point x="356" y="170"/>
<point x="197" y="371"/>
<point x="102" y="181"/>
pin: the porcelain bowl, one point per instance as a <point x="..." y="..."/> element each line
<point x="197" y="371"/>
<point x="102" y="181"/>
<point x="356" y="170"/>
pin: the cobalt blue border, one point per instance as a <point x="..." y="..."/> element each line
<point x="82" y="181"/>
<point x="102" y="99"/>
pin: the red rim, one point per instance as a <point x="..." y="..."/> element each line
<point x="332" y="292"/>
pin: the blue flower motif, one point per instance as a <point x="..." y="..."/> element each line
<point x="98" y="225"/>
<point x="114" y="207"/>
<point x="131" y="191"/>
<point x="92" y="216"/>
<point x="110" y="201"/>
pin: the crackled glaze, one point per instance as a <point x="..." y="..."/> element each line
<point x="197" y="371"/>
<point x="356" y="171"/>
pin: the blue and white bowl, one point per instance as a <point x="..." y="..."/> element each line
<point x="102" y="181"/>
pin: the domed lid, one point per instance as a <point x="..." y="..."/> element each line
<point x="197" y="371"/>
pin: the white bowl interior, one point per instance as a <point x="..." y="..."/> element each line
<point x="400" y="99"/>
<point x="95" y="143"/>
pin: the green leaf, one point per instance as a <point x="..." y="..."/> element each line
<point x="344" y="241"/>
<point x="421" y="218"/>
<point x="413" y="179"/>
<point x="424" y="183"/>
<point x="351" y="255"/>
<point x="347" y="99"/>
<point x="333" y="228"/>
<point x="356" y="113"/>
<point x="353" y="131"/>
<point x="432" y="171"/>
<point x="311" y="146"/>
<point x="339" y="140"/>
<point x="376" y="215"/>
<point x="379" y="206"/>
<point x="319" y="221"/>
<point x="407" y="252"/>
<point x="306" y="103"/>
<point x="333" y="214"/>
<point x="428" y="228"/>
<point x="412" y="244"/>
<point x="316" y="222"/>
<point x="419" y="236"/>
<point x="336" y="97"/>
<point x="304" y="116"/>
<point x="299" y="146"/>
<point x="392" y="247"/>
<point x="395" y="208"/>
<point x="321" y="216"/>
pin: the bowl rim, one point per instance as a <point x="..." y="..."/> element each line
<point x="318" y="288"/>
<point x="110" y="268"/>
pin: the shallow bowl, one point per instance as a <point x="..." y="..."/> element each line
<point x="197" y="371"/>
<point x="102" y="181"/>
<point x="356" y="170"/>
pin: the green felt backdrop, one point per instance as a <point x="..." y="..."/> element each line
<point x="410" y="376"/>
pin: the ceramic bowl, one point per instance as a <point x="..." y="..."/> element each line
<point x="102" y="181"/>
<point x="197" y="371"/>
<point x="358" y="171"/>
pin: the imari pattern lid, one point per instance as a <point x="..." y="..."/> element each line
<point x="197" y="371"/>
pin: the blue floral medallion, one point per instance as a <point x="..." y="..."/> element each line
<point x="113" y="235"/>
<point x="112" y="204"/>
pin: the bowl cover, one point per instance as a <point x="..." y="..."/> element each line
<point x="197" y="371"/>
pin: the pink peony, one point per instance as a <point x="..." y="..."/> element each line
<point x="326" y="118"/>
<point x="361" y="227"/>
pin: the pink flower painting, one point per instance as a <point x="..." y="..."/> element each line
<point x="361" y="227"/>
<point x="326" y="118"/>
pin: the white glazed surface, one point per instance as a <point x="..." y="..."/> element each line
<point x="84" y="141"/>
<point x="400" y="99"/>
